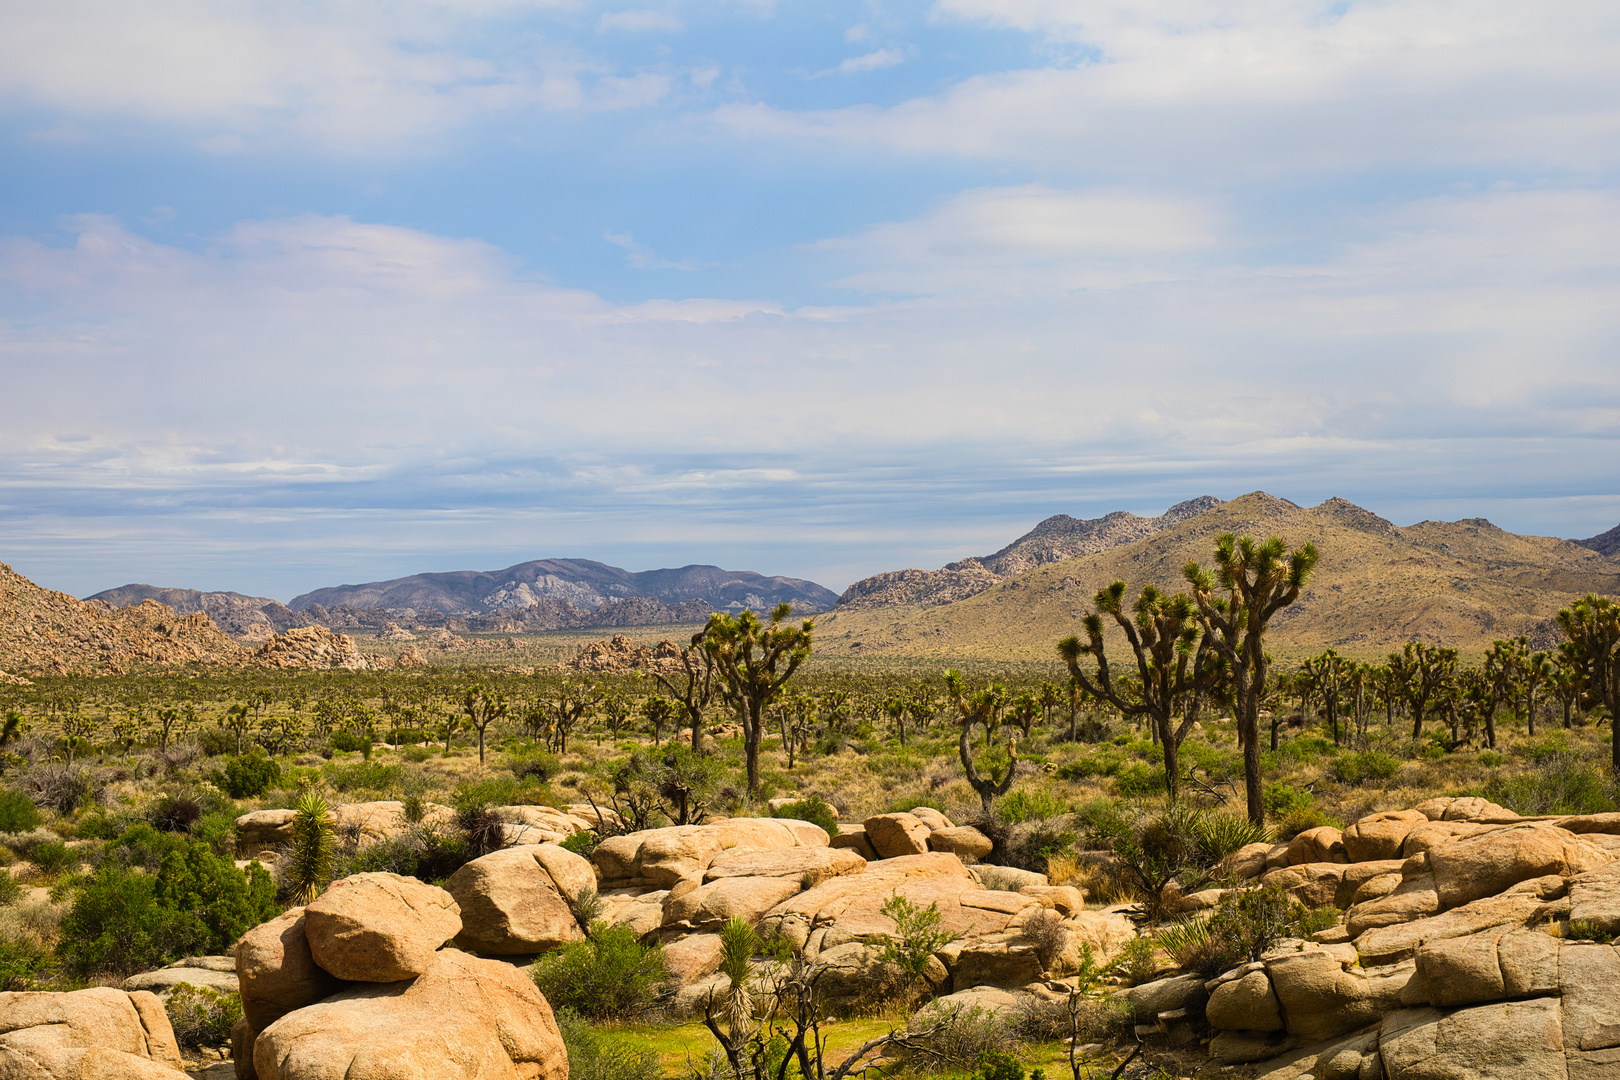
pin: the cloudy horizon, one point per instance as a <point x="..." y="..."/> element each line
<point x="298" y="296"/>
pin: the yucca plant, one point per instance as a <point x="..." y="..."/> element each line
<point x="312" y="851"/>
<point x="737" y="945"/>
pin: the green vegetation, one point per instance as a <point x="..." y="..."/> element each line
<point x="608" y="976"/>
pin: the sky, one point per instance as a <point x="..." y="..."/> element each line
<point x="310" y="292"/>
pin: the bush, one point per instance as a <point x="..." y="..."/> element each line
<point x="347" y="742"/>
<point x="582" y="843"/>
<point x="25" y="843"/>
<point x="417" y="754"/>
<point x="216" y="741"/>
<point x="124" y="921"/>
<point x="1023" y="806"/>
<point x="365" y="776"/>
<point x="1139" y="779"/>
<point x="1032" y="846"/>
<point x="10" y="891"/>
<point x="998" y="1065"/>
<point x="427" y="852"/>
<point x="53" y="857"/>
<point x="1281" y="800"/>
<point x="17" y="812"/>
<point x="1561" y="784"/>
<point x="63" y="788"/>
<point x="916" y="939"/>
<point x="813" y="810"/>
<point x="1099" y="763"/>
<point x="201" y="1016"/>
<point x="171" y="814"/>
<point x="599" y="1055"/>
<point x="608" y="976"/>
<point x="541" y="765"/>
<point x="964" y="1035"/>
<point x="1370" y="765"/>
<point x="1135" y="962"/>
<point x="248" y="776"/>
<point x="24" y="960"/>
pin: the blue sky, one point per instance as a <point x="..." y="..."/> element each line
<point x="294" y="294"/>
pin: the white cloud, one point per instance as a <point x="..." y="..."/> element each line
<point x="876" y="60"/>
<point x="1256" y="87"/>
<point x="642" y="257"/>
<point x="640" y="21"/>
<point x="289" y="370"/>
<point x="347" y="76"/>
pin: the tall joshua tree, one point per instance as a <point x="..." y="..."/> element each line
<point x="982" y="708"/>
<point x="1592" y="625"/>
<point x="1250" y="583"/>
<point x="695" y="687"/>
<point x="753" y="661"/>
<point x="1173" y="659"/>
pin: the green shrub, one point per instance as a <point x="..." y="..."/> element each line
<point x="171" y="814"/>
<point x="24" y="961"/>
<point x="1490" y="759"/>
<point x="10" y="891"/>
<point x="1099" y="763"/>
<point x="582" y="843"/>
<point x="1033" y="846"/>
<point x="997" y="1065"/>
<point x="365" y="776"/>
<point x="1368" y="765"/>
<point x="540" y="765"/>
<point x="608" y="976"/>
<point x="125" y="921"/>
<point x="347" y="742"/>
<point x="1135" y="963"/>
<point x="1025" y="806"/>
<point x="417" y="754"/>
<point x="201" y="1016"/>
<point x="1282" y="799"/>
<point x="216" y="741"/>
<point x="813" y="810"/>
<point x="52" y="857"/>
<point x="602" y="1055"/>
<point x="1562" y="783"/>
<point x="916" y="939"/>
<point x="248" y="776"/>
<point x="17" y="812"/>
<point x="1139" y="779"/>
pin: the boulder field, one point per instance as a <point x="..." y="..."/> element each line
<point x="1473" y="943"/>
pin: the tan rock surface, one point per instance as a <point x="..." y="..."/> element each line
<point x="510" y="902"/>
<point x="85" y="1034"/>
<point x="816" y="864"/>
<point x="1380" y="836"/>
<point x="1323" y="844"/>
<point x="894" y="835"/>
<point x="709" y="906"/>
<point x="1489" y="864"/>
<point x="464" y="1017"/>
<point x="1522" y="1040"/>
<point x="661" y="857"/>
<point x="1246" y="1004"/>
<point x="379" y="927"/>
<point x="1323" y="993"/>
<point x="964" y="841"/>
<point x="277" y="972"/>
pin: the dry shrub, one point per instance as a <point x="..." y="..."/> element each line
<point x="1044" y="932"/>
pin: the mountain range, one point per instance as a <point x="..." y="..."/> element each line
<point x="1461" y="584"/>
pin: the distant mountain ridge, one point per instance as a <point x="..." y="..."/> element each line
<point x="1460" y="584"/>
<point x="1057" y="538"/>
<point x="1606" y="543"/>
<point x="581" y="582"/>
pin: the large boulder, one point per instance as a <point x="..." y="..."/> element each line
<point x="1380" y="836"/>
<point x="1245" y="1004"/>
<point x="1401" y="940"/>
<point x="894" y="835"/>
<point x="1324" y="993"/>
<point x="661" y="857"/>
<point x="1594" y="899"/>
<point x="812" y="865"/>
<point x="710" y="906"/>
<point x="216" y="973"/>
<point x="95" y="1034"/>
<point x="379" y="927"/>
<point x="1500" y="962"/>
<point x="1323" y="844"/>
<point x="1523" y="1040"/>
<point x="261" y="829"/>
<point x="964" y="841"/>
<point x="1486" y="865"/>
<point x="464" y="1017"/>
<point x="520" y="900"/>
<point x="277" y="973"/>
<point x="640" y="909"/>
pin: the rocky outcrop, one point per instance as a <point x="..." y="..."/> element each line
<point x="358" y="985"/>
<point x="379" y="927"/>
<point x="463" y="1017"/>
<point x="1459" y="956"/>
<point x="217" y="973"/>
<point x="521" y="899"/>
<point x="310" y="648"/>
<point x="619" y="654"/>
<point x="99" y="1033"/>
<point x="659" y="858"/>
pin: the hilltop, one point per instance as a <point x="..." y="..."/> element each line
<point x="1461" y="584"/>
<point x="47" y="632"/>
<point x="1607" y="543"/>
<point x="245" y="618"/>
<point x="586" y="586"/>
<point x="1057" y="538"/>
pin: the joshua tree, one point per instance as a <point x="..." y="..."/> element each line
<point x="752" y="662"/>
<point x="482" y="707"/>
<point x="1257" y="580"/>
<point x="1173" y="660"/>
<point x="1539" y="670"/>
<point x="1592" y="625"/>
<point x="1505" y="668"/>
<point x="1329" y="674"/>
<point x="1424" y="673"/>
<point x="694" y="687"/>
<point x="657" y="711"/>
<point x="569" y="704"/>
<point x="981" y="709"/>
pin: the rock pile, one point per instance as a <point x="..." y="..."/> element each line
<point x="310" y="648"/>
<point x="360" y="983"/>
<point x="620" y="654"/>
<point x="1470" y="947"/>
<point x="99" y="1033"/>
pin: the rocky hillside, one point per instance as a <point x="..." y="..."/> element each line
<point x="1461" y="584"/>
<point x="585" y="586"/>
<point x="1607" y="543"/>
<point x="246" y="618"/>
<point x="52" y="633"/>
<point x="1057" y="538"/>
